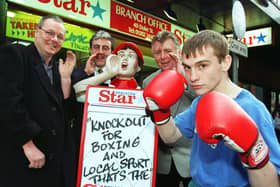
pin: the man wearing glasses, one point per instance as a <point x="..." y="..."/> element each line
<point x="34" y="92"/>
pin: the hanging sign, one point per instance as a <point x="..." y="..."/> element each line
<point x="118" y="144"/>
<point x="181" y="33"/>
<point x="108" y="14"/>
<point x="258" y="37"/>
<point x="94" y="12"/>
<point x="238" y="47"/>
<point x="22" y="26"/>
<point x="134" y="22"/>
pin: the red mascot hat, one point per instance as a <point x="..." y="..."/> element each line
<point x="132" y="46"/>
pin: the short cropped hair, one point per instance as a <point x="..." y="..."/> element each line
<point x="103" y="35"/>
<point x="203" y="39"/>
<point x="161" y="36"/>
<point x="44" y="18"/>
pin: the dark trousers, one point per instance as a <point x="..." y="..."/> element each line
<point x="172" y="179"/>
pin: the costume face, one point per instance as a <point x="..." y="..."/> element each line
<point x="49" y="38"/>
<point x="128" y="63"/>
<point x="204" y="71"/>
<point x="102" y="48"/>
<point x="161" y="53"/>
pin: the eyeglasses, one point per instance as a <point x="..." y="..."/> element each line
<point x="103" y="47"/>
<point x="52" y="34"/>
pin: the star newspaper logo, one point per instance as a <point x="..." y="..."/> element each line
<point x="97" y="11"/>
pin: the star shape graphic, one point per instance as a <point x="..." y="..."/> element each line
<point x="97" y="11"/>
<point x="261" y="38"/>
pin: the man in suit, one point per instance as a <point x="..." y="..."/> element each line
<point x="101" y="46"/>
<point x="33" y="96"/>
<point x="172" y="161"/>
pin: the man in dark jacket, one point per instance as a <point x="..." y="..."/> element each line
<point x="101" y="46"/>
<point x="33" y="96"/>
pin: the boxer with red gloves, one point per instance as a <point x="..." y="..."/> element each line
<point x="234" y="142"/>
<point x="172" y="161"/>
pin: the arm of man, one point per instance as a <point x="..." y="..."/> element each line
<point x="16" y="123"/>
<point x="90" y="65"/>
<point x="82" y="85"/>
<point x="65" y="69"/>
<point x="160" y="98"/>
<point x="265" y="176"/>
<point x="169" y="132"/>
<point x="239" y="132"/>
<point x="111" y="70"/>
<point x="34" y="155"/>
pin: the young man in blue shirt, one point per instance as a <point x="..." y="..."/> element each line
<point x="206" y="61"/>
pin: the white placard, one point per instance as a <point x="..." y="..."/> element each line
<point x="118" y="140"/>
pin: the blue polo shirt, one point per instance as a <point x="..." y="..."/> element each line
<point x="217" y="165"/>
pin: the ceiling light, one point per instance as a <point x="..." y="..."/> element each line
<point x="170" y="13"/>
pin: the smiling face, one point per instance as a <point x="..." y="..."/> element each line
<point x="102" y="48"/>
<point x="49" y="38"/>
<point x="128" y="63"/>
<point x="161" y="52"/>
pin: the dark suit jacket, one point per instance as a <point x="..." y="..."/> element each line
<point x="77" y="110"/>
<point x="31" y="108"/>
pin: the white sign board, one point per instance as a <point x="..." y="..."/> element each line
<point x="255" y="38"/>
<point x="118" y="145"/>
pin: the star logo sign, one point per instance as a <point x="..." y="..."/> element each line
<point x="261" y="38"/>
<point x="97" y="11"/>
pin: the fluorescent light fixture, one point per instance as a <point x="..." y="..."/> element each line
<point x="170" y="13"/>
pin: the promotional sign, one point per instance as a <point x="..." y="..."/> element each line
<point x="181" y="33"/>
<point x="134" y="22"/>
<point x="258" y="37"/>
<point x="108" y="14"/>
<point x="22" y="26"/>
<point x="118" y="144"/>
<point x="77" y="38"/>
<point x="94" y="12"/>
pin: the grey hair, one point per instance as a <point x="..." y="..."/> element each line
<point x="104" y="35"/>
<point x="44" y="18"/>
<point x="161" y="36"/>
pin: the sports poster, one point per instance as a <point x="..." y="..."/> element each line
<point x="119" y="142"/>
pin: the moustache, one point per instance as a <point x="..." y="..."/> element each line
<point x="100" y="56"/>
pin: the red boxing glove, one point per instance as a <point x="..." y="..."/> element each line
<point x="162" y="92"/>
<point x="219" y="117"/>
